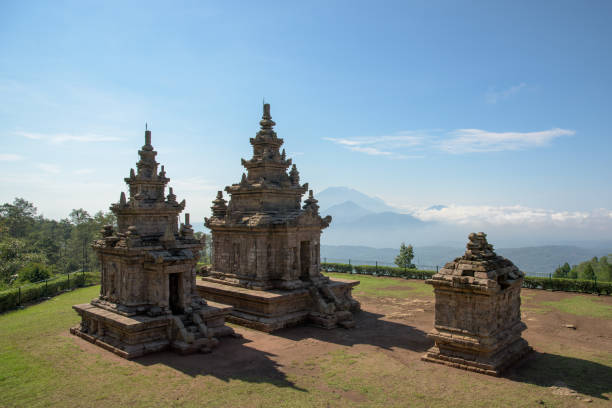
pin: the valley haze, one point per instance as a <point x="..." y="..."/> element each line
<point x="366" y="229"/>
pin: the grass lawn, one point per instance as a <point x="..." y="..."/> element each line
<point x="582" y="306"/>
<point x="42" y="365"/>
<point x="379" y="286"/>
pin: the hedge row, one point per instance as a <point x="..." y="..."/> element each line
<point x="568" y="285"/>
<point x="11" y="298"/>
<point x="378" y="270"/>
<point x="531" y="282"/>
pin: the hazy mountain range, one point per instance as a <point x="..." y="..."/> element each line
<point x="534" y="260"/>
<point x="366" y="229"/>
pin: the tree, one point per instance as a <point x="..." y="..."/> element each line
<point x="34" y="272"/>
<point x="18" y="218"/>
<point x="14" y="255"/>
<point x="562" y="271"/>
<point x="606" y="269"/>
<point x="404" y="259"/>
<point x="589" y="273"/>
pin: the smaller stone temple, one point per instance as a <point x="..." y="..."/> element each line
<point x="148" y="299"/>
<point x="478" y="311"/>
<point x="266" y="247"/>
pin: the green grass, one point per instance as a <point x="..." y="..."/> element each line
<point x="41" y="365"/>
<point x="582" y="306"/>
<point x="386" y="287"/>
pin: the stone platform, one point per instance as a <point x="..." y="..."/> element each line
<point x="275" y="309"/>
<point x="134" y="336"/>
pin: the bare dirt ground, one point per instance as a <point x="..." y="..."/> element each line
<point x="378" y="363"/>
<point x="394" y="330"/>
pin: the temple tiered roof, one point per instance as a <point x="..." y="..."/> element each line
<point x="267" y="193"/>
<point x="146" y="199"/>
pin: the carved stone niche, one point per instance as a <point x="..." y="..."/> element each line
<point x="478" y="311"/>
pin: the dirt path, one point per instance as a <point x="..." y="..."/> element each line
<point x="391" y="336"/>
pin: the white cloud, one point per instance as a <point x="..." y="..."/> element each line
<point x="49" y="168"/>
<point x="514" y="215"/>
<point x="370" y="150"/>
<point x="10" y="157"/>
<point x="493" y="96"/>
<point x="477" y="140"/>
<point x="58" y="138"/>
<point x="381" y="145"/>
<point x="412" y="144"/>
<point x="84" y="171"/>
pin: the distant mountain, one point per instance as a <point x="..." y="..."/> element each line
<point x="337" y="195"/>
<point x="424" y="256"/>
<point x="437" y="207"/>
<point x="346" y="212"/>
<point x="535" y="260"/>
<point x="545" y="259"/>
<point x="388" y="221"/>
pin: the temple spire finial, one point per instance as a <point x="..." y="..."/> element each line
<point x="266" y="111"/>
<point x="147" y="135"/>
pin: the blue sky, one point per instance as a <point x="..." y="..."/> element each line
<point x="467" y="104"/>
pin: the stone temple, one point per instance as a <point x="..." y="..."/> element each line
<point x="478" y="311"/>
<point x="266" y="247"/>
<point x="148" y="299"/>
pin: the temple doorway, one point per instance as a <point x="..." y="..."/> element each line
<point x="305" y="260"/>
<point x="174" y="293"/>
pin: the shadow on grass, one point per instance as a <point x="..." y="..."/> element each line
<point x="583" y="376"/>
<point x="233" y="359"/>
<point x="370" y="329"/>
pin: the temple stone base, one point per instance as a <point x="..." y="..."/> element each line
<point x="134" y="336"/>
<point x="275" y="309"/>
<point x="472" y="356"/>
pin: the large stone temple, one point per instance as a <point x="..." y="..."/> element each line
<point x="266" y="247"/>
<point x="148" y="299"/>
<point x="478" y="311"/>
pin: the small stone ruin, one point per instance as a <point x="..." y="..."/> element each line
<point x="478" y="311"/>
<point x="148" y="299"/>
<point x="266" y="247"/>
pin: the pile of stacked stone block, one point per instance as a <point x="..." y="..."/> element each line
<point x="478" y="311"/>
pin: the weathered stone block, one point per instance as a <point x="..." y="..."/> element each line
<point x="477" y="319"/>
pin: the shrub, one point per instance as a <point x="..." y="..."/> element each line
<point x="11" y="298"/>
<point x="568" y="285"/>
<point x="561" y="284"/>
<point x="337" y="267"/>
<point x="34" y="272"/>
<point x="378" y="270"/>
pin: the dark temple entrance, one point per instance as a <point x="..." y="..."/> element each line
<point x="174" y="298"/>
<point x="304" y="260"/>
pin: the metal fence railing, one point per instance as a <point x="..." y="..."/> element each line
<point x="352" y="261"/>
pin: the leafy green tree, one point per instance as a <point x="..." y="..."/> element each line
<point x="606" y="269"/>
<point x="562" y="271"/>
<point x="588" y="273"/>
<point x="573" y="274"/>
<point x="404" y="259"/>
<point x="18" y="218"/>
<point x="14" y="256"/>
<point x="34" y="272"/>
